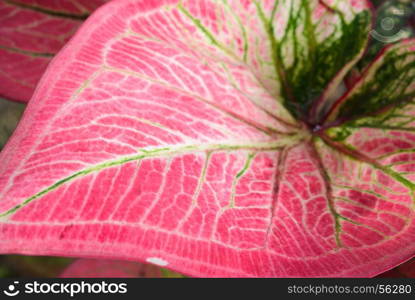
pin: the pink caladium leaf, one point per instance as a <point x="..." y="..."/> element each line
<point x="387" y="85"/>
<point x="178" y="133"/>
<point x="31" y="33"/>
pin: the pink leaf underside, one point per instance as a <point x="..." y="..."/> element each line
<point x="101" y="268"/>
<point x="146" y="142"/>
<point x="29" y="38"/>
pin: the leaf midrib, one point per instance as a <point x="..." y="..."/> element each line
<point x="158" y="152"/>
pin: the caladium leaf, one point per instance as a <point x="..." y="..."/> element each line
<point x="304" y="35"/>
<point x="155" y="136"/>
<point x="392" y="24"/>
<point x="389" y="81"/>
<point x="31" y="32"/>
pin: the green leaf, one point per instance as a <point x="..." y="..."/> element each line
<point x="391" y="26"/>
<point x="313" y="42"/>
<point x="388" y="82"/>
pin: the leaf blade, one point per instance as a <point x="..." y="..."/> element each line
<point x="238" y="211"/>
<point x="389" y="81"/>
<point x="311" y="34"/>
<point x="31" y="33"/>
